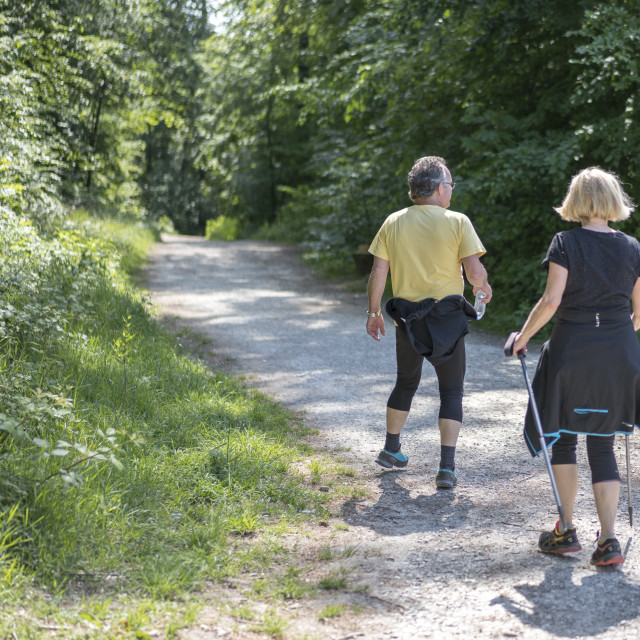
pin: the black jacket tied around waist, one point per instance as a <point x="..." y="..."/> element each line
<point x="433" y="327"/>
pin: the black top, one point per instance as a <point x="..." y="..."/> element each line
<point x="588" y="375"/>
<point x="603" y="269"/>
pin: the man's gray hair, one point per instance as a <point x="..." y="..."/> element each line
<point x="425" y="176"/>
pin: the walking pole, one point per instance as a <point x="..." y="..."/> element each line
<point x="508" y="351"/>
<point x="629" y="483"/>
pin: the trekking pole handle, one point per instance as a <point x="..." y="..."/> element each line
<point x="508" y="346"/>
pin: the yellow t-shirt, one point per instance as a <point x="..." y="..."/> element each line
<point x="425" y="245"/>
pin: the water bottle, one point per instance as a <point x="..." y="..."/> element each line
<point x="479" y="304"/>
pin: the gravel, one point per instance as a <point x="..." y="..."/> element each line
<point x="430" y="564"/>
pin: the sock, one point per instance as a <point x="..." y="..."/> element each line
<point x="562" y="529"/>
<point x="447" y="457"/>
<point x="392" y="443"/>
<point x="605" y="536"/>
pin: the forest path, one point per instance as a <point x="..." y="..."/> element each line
<point x="427" y="563"/>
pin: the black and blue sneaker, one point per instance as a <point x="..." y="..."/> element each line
<point x="446" y="479"/>
<point x="389" y="459"/>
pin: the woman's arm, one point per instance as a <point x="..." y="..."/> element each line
<point x="635" y="304"/>
<point x="545" y="307"/>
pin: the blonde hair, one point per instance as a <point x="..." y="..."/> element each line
<point x="594" y="193"/>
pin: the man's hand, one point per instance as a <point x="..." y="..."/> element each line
<point x="375" y="325"/>
<point x="486" y="287"/>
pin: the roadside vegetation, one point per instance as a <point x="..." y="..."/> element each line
<point x="130" y="473"/>
<point x="298" y="121"/>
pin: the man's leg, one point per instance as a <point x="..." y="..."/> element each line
<point x="396" y="420"/>
<point x="451" y="385"/>
<point x="449" y="431"/>
<point x="409" y="372"/>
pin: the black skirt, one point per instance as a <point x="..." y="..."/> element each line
<point x="587" y="380"/>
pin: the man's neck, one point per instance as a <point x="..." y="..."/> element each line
<point x="435" y="201"/>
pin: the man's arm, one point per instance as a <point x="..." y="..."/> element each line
<point x="375" y="289"/>
<point x="477" y="275"/>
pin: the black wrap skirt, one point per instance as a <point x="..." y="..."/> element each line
<point x="587" y="380"/>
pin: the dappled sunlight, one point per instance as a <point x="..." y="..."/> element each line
<point x="477" y="541"/>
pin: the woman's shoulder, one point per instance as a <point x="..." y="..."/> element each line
<point x="559" y="239"/>
<point x="630" y="239"/>
<point x="580" y="235"/>
<point x="632" y="243"/>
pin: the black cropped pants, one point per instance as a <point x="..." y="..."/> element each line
<point x="450" y="378"/>
<point x="602" y="459"/>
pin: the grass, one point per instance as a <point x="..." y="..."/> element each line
<point x="334" y="581"/>
<point x="272" y="624"/>
<point x="332" y="611"/>
<point x="169" y="475"/>
<point x="327" y="554"/>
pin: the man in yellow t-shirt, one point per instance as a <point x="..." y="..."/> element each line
<point x="426" y="246"/>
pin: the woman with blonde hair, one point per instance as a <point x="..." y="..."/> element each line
<point x="588" y="376"/>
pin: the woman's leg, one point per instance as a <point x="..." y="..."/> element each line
<point x="606" y="481"/>
<point x="566" y="476"/>
<point x="606" y="495"/>
<point x="565" y="472"/>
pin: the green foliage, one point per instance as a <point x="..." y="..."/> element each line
<point x="223" y="228"/>
<point x="119" y="455"/>
<point x="131" y="238"/>
<point x="301" y="119"/>
<point x="98" y="106"/>
<point x="517" y="96"/>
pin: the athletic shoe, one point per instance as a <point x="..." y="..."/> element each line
<point x="446" y="479"/>
<point x="559" y="543"/>
<point x="607" y="553"/>
<point x="388" y="459"/>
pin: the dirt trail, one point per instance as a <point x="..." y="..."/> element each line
<point x="429" y="564"/>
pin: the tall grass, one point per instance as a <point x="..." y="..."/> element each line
<point x="126" y="466"/>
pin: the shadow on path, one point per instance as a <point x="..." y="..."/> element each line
<point x="435" y="511"/>
<point x="547" y="605"/>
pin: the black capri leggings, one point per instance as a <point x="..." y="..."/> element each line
<point x="450" y="378"/>
<point x="602" y="459"/>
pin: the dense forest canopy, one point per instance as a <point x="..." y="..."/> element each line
<point x="301" y="118"/>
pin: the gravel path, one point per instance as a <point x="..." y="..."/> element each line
<point x="431" y="564"/>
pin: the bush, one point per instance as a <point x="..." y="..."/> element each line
<point x="223" y="228"/>
<point x="117" y="449"/>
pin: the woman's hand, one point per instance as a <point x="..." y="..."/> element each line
<point x="520" y="344"/>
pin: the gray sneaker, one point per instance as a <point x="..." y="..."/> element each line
<point x="446" y="479"/>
